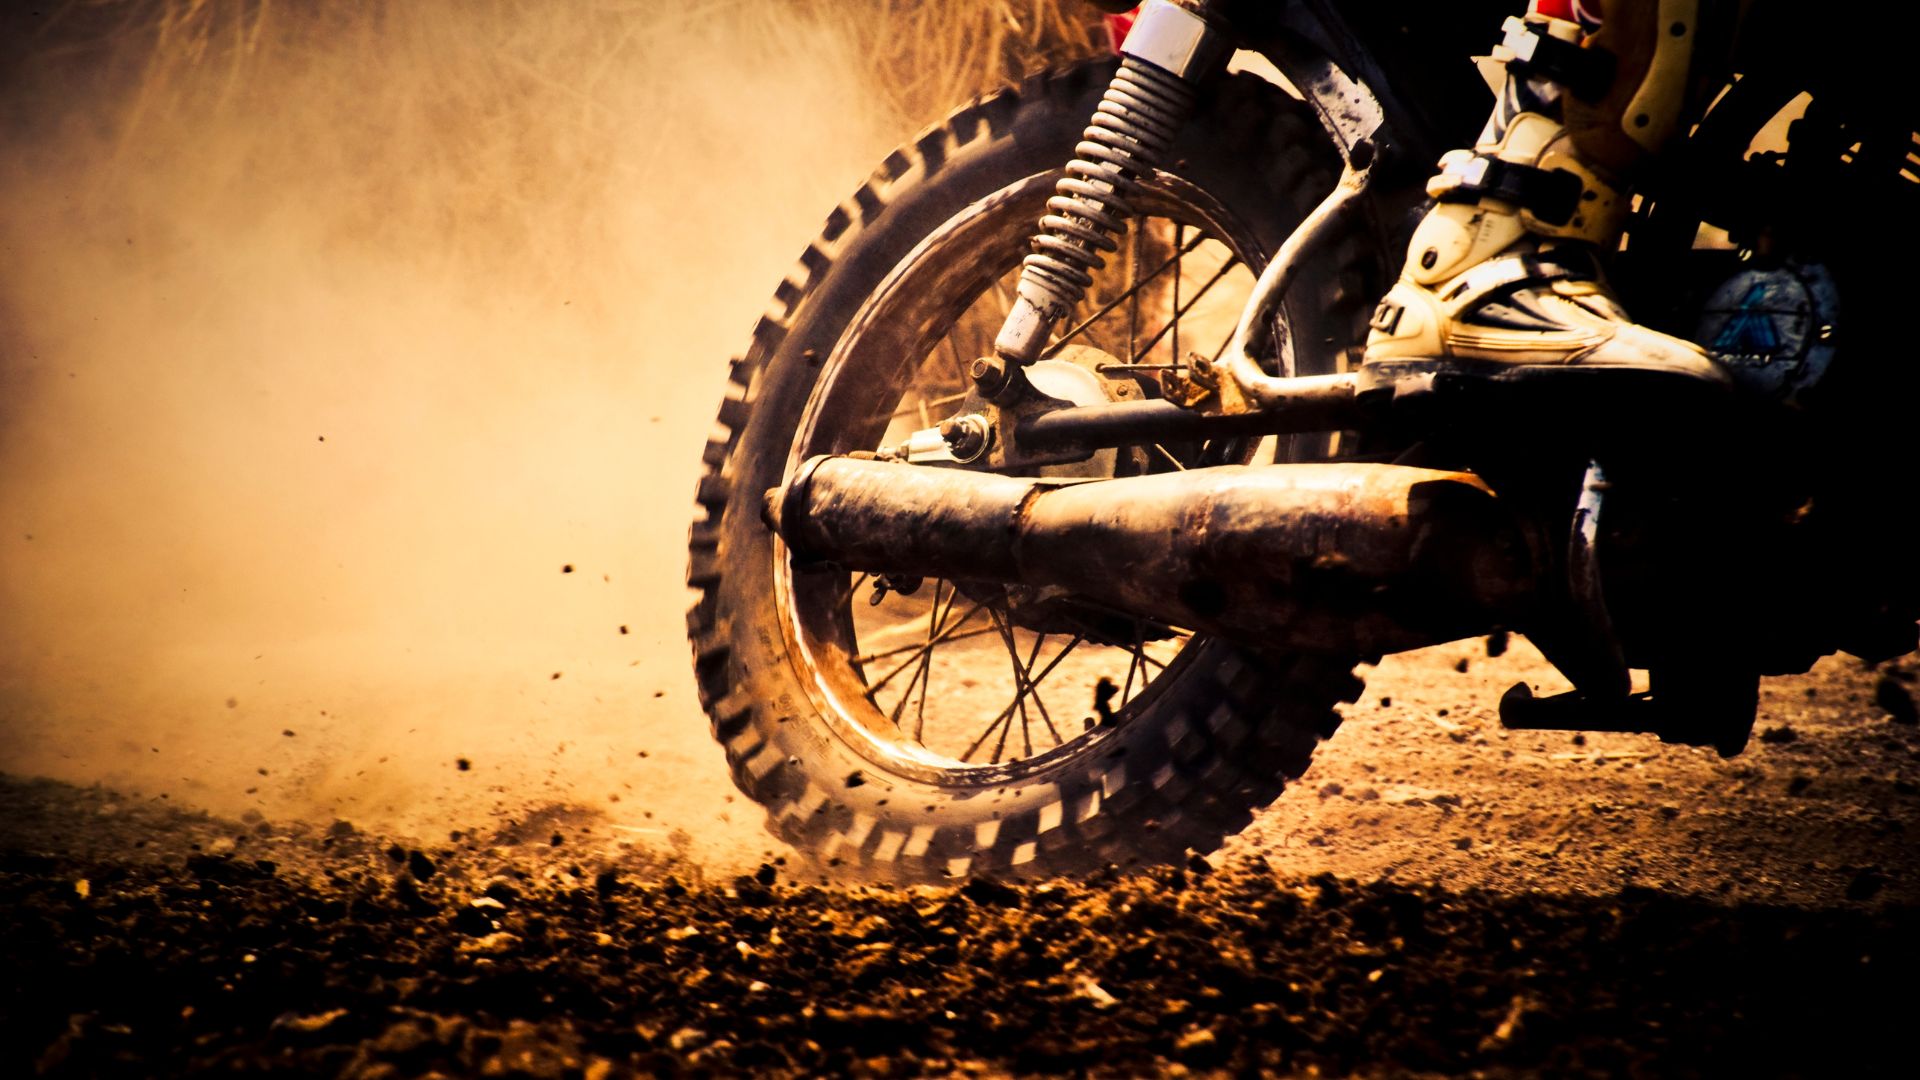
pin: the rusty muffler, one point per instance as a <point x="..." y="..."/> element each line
<point x="1346" y="558"/>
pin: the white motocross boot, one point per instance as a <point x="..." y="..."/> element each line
<point x="1503" y="275"/>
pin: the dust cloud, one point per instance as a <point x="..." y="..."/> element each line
<point x="357" y="359"/>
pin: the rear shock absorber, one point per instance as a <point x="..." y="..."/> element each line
<point x="1169" y="49"/>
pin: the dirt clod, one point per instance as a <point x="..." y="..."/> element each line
<point x="1896" y="701"/>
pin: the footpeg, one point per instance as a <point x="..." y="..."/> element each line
<point x="1577" y="711"/>
<point x="1722" y="720"/>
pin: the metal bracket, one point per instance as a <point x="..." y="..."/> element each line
<point x="1244" y="385"/>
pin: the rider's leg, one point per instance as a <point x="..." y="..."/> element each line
<point x="1503" y="274"/>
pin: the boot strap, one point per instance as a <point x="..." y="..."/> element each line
<point x="1587" y="73"/>
<point x="1489" y="282"/>
<point x="1551" y="195"/>
<point x="1494" y="278"/>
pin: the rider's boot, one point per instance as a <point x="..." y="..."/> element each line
<point x="1503" y="275"/>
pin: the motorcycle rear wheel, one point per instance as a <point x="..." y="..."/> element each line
<point x="788" y="661"/>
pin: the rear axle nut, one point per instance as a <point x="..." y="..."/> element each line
<point x="968" y="437"/>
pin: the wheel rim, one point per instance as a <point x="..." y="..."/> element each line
<point x="946" y="685"/>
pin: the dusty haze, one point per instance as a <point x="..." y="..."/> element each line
<point x="332" y="334"/>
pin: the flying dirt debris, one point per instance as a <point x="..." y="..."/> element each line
<point x="317" y="952"/>
<point x="328" y="332"/>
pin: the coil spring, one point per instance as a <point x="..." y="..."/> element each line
<point x="1136" y="121"/>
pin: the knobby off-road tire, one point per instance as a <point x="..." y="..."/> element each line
<point x="1201" y="749"/>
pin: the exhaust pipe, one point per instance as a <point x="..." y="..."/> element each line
<point x="1343" y="558"/>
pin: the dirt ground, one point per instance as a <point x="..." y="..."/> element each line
<point x="1437" y="897"/>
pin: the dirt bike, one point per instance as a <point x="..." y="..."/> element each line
<point x="991" y="589"/>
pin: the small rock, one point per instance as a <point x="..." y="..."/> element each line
<point x="420" y="866"/>
<point x="492" y="944"/>
<point x="1896" y="701"/>
<point x="307" y="1025"/>
<point x="1781" y="734"/>
<point x="473" y="922"/>
<point x="407" y="892"/>
<point x="1196" y="1042"/>
<point x="1085" y="987"/>
<point x="1865" y="885"/>
<point x="990" y="893"/>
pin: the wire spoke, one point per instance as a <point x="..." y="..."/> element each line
<point x="874" y="688"/>
<point x="1039" y="702"/>
<point x="1135" y="228"/>
<point x="1178" y="231"/>
<point x="1024" y="675"/>
<point x="973" y="748"/>
<point x="953" y="354"/>
<point x="921" y="404"/>
<point x="1022" y="682"/>
<point x="1133" y="662"/>
<point x="934" y="626"/>
<point x="1181" y="310"/>
<point x="1026" y="733"/>
<point x="916" y="646"/>
<point x="922" y="671"/>
<point x="1133" y="291"/>
<point x="1000" y="748"/>
<point x="1006" y="714"/>
<point x="906" y="695"/>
